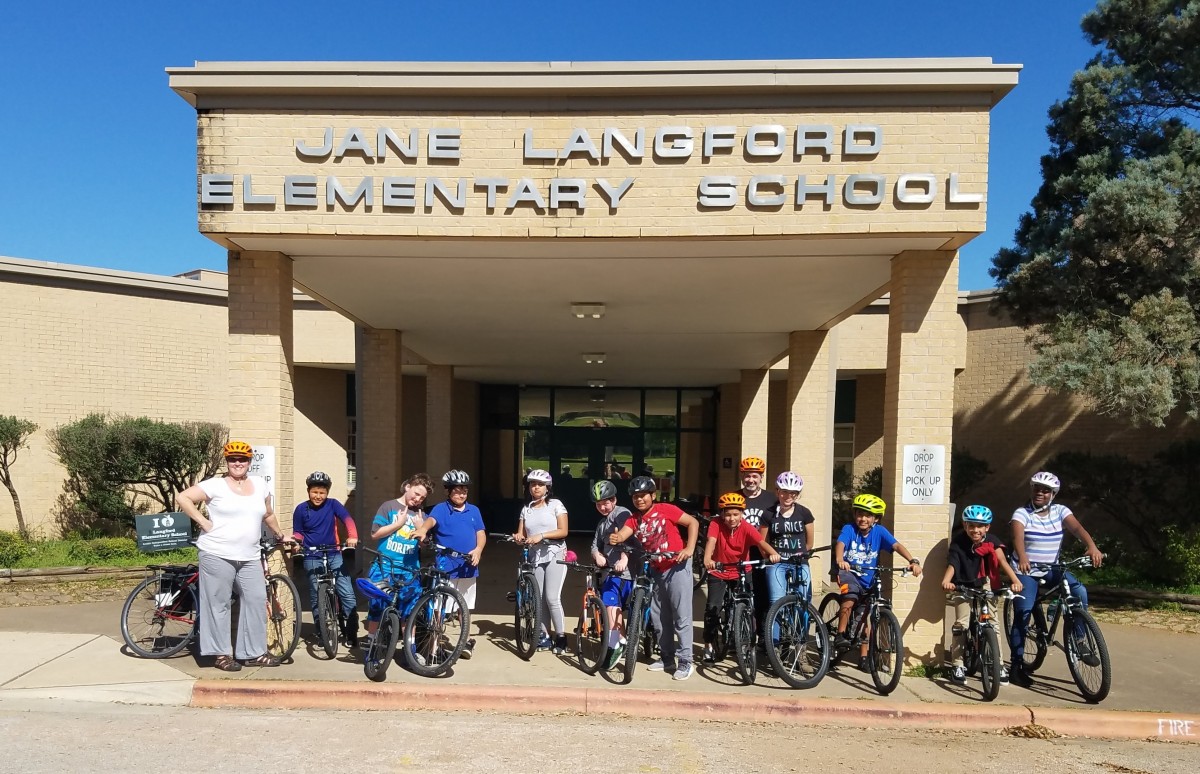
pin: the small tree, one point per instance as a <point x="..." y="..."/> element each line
<point x="966" y="471"/>
<point x="14" y="436"/>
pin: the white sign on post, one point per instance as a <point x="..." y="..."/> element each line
<point x="263" y="466"/>
<point x="924" y="475"/>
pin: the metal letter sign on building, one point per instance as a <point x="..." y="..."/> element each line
<point x="924" y="475"/>
<point x="163" y="531"/>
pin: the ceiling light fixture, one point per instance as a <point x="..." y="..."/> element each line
<point x="597" y="383"/>
<point x="593" y="357"/>
<point x="592" y="309"/>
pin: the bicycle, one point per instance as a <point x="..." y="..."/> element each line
<point x="736" y="623"/>
<point x="328" y="615"/>
<point x="527" y="600"/>
<point x="637" y="613"/>
<point x="872" y="623"/>
<point x="798" y="643"/>
<point x="160" y="615"/>
<point x="592" y="630"/>
<point x="981" y="642"/>
<point x="283" y="606"/>
<point x="1082" y="641"/>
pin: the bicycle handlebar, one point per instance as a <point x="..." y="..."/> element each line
<point x="589" y="568"/>
<point x="859" y="569"/>
<point x="745" y="565"/>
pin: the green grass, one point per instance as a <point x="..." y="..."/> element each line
<point x="79" y="553"/>
<point x="1126" y="577"/>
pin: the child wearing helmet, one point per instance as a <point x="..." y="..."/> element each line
<point x="1037" y="532"/>
<point x="975" y="557"/>
<point x="728" y="541"/>
<point x="458" y="525"/>
<point x="618" y="581"/>
<point x="314" y="523"/>
<point x="790" y="527"/>
<point x="856" y="554"/>
<point x="543" y="526"/>
<point x="656" y="526"/>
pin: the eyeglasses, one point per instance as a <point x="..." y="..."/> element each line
<point x="1042" y="490"/>
<point x="238" y="460"/>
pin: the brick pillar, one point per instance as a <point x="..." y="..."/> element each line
<point x="261" y="369"/>
<point x="811" y="387"/>
<point x="919" y="409"/>
<point x="754" y="397"/>
<point x="378" y="355"/>
<point x="439" y="402"/>
<point x="729" y="440"/>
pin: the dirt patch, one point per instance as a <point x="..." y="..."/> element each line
<point x="65" y="593"/>
<point x="1169" y="620"/>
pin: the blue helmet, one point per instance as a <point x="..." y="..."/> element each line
<point x="977" y="514"/>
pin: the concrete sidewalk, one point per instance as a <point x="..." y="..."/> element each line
<point x="75" y="652"/>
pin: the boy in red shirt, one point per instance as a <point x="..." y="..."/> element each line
<point x="729" y="541"/>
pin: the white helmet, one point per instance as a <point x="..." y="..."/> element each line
<point x="789" y="482"/>
<point x="1043" y="478"/>
<point x="539" y="475"/>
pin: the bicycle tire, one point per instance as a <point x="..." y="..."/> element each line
<point x="1094" y="681"/>
<point x="383" y="647"/>
<point x="1036" y="636"/>
<point x="633" y="633"/>
<point x="527" y="612"/>
<point x="435" y="631"/>
<point x="886" y="652"/>
<point x="327" y="618"/>
<point x="700" y="572"/>
<point x="831" y="605"/>
<point x="801" y="656"/>
<point x="591" y="635"/>
<point x="989" y="663"/>
<point x="649" y="636"/>
<point x="743" y="643"/>
<point x="283" y="617"/>
<point x="152" y="630"/>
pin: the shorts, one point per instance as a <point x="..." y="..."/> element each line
<point x="851" y="584"/>
<point x="615" y="590"/>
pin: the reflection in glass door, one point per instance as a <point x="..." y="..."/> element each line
<point x="585" y="456"/>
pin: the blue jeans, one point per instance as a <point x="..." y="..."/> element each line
<point x="345" y="591"/>
<point x="1023" y="608"/>
<point x="777" y="586"/>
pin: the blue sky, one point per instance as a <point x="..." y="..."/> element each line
<point x="99" y="155"/>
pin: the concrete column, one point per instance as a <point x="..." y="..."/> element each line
<point x="261" y="369"/>
<point x="811" y="388"/>
<point x="378" y="354"/>
<point x="439" y="415"/>
<point x="729" y="439"/>
<point x="755" y="401"/>
<point x="919" y="409"/>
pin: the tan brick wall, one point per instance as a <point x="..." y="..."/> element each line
<point x="439" y="418"/>
<point x="868" y="423"/>
<point x="754" y="398"/>
<point x="777" y="421"/>
<point x="862" y="341"/>
<point x="810" y="395"/>
<point x="322" y="336"/>
<point x="465" y="428"/>
<point x="380" y="421"/>
<point x="663" y="201"/>
<point x="729" y="437"/>
<point x="321" y="428"/>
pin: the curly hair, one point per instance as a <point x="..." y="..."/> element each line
<point x="421" y="479"/>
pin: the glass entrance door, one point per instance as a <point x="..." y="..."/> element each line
<point x="583" y="456"/>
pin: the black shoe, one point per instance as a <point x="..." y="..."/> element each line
<point x="468" y="649"/>
<point x="1019" y="677"/>
<point x="560" y="645"/>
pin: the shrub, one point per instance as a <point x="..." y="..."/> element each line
<point x="13" y="548"/>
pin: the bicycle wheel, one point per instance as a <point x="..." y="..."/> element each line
<point x="591" y="635"/>
<point x="327" y="618"/>
<point x="743" y="643"/>
<point x="528" y="609"/>
<point x="283" y="616"/>
<point x="1036" y="637"/>
<point x="1087" y="656"/>
<point x="435" y="631"/>
<point x="649" y="636"/>
<point x="886" y="652"/>
<point x="633" y="632"/>
<point x="383" y="647"/>
<point x="800" y="657"/>
<point x="989" y="663"/>
<point x="156" y="621"/>
<point x="701" y="574"/>
<point x="831" y="605"/>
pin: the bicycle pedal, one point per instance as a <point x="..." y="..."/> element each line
<point x="511" y="596"/>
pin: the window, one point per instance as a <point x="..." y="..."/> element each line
<point x="843" y="447"/>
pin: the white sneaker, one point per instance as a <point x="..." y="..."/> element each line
<point x="657" y="666"/>
<point x="684" y="672"/>
<point x="958" y="675"/>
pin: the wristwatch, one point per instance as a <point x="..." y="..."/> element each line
<point x="914" y="560"/>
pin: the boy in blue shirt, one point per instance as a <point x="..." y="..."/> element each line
<point x="314" y="523"/>
<point x="858" y="546"/>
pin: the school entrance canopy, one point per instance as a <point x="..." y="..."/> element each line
<point x="682" y="224"/>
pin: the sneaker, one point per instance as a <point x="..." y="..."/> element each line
<point x="1003" y="675"/>
<point x="841" y="642"/>
<point x="614" y="656"/>
<point x="709" y="656"/>
<point x="468" y="649"/>
<point x="684" y="672"/>
<point x="544" y="643"/>
<point x="657" y="666"/>
<point x="560" y="645"/>
<point x="958" y="675"/>
<point x="1020" y="677"/>
<point x="1084" y="650"/>
<point x="864" y="664"/>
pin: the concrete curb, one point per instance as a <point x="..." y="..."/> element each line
<point x="275" y="694"/>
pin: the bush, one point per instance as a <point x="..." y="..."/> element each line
<point x="13" y="548"/>
<point x="111" y="550"/>
<point x="1181" y="558"/>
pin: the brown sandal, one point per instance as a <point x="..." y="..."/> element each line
<point x="265" y="660"/>
<point x="226" y="664"/>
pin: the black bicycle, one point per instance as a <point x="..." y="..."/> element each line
<point x="331" y="621"/>
<point x="981" y="642"/>
<point x="1082" y="641"/>
<point x="797" y="641"/>
<point x="636" y="614"/>
<point x="872" y="623"/>
<point x="159" y="616"/>
<point x="736" y="624"/>
<point x="527" y="600"/>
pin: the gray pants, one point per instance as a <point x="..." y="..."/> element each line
<point x="550" y="578"/>
<point x="673" y="593"/>
<point x="217" y="577"/>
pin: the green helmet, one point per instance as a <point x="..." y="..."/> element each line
<point x="603" y="490"/>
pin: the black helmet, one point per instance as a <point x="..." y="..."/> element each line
<point x="455" y="478"/>
<point x="603" y="490"/>
<point x="642" y="484"/>
<point x="317" y="478"/>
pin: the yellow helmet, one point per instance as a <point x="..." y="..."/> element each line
<point x="754" y="465"/>
<point x="238" y="449"/>
<point x="870" y="503"/>
<point x="731" y="500"/>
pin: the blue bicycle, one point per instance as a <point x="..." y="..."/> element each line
<point x="798" y="647"/>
